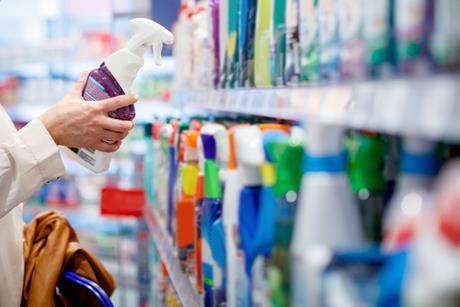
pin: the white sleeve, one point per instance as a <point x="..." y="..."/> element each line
<point x="28" y="161"/>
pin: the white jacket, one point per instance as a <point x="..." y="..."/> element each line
<point x="28" y="159"/>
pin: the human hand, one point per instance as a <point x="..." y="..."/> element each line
<point x="74" y="122"/>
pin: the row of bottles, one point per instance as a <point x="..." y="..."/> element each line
<point x="251" y="43"/>
<point x="267" y="213"/>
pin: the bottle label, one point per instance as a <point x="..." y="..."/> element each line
<point x="94" y="90"/>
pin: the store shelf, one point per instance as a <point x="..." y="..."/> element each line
<point x="184" y="288"/>
<point x="424" y="106"/>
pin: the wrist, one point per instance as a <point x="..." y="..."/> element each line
<point x="51" y="127"/>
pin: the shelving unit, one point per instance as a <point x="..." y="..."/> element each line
<point x="184" y="288"/>
<point x="422" y="106"/>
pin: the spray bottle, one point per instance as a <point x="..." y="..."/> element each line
<point x="212" y="136"/>
<point x="327" y="217"/>
<point x="286" y="192"/>
<point x="185" y="205"/>
<point x="419" y="165"/>
<point x="263" y="236"/>
<point x="198" y="208"/>
<point x="115" y="77"/>
<point x="250" y="156"/>
<point x="433" y="273"/>
<point x="366" y="157"/>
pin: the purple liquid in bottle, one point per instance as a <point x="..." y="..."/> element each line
<point x="102" y="85"/>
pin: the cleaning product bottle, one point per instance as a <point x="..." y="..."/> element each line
<point x="262" y="240"/>
<point x="327" y="218"/>
<point x="188" y="172"/>
<point x="419" y="164"/>
<point x="309" y="40"/>
<point x="292" y="42"/>
<point x="278" y="57"/>
<point x="232" y="44"/>
<point x="223" y="36"/>
<point x="214" y="7"/>
<point x="166" y="133"/>
<point x="329" y="38"/>
<point x="115" y="76"/>
<point x="351" y="15"/>
<point x="262" y="43"/>
<point x="433" y="272"/>
<point x="378" y="16"/>
<point x="148" y="163"/>
<point x="172" y="167"/>
<point x="366" y="157"/>
<point x="248" y="13"/>
<point x="211" y="210"/>
<point x="413" y="23"/>
<point x="250" y="156"/>
<point x="157" y="161"/>
<point x="445" y="38"/>
<point x="286" y="192"/>
<point x="199" y="196"/>
<point x="230" y="219"/>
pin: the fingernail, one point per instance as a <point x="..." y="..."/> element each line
<point x="136" y="97"/>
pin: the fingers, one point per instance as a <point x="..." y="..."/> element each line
<point x="106" y="147"/>
<point x="116" y="125"/>
<point x="113" y="135"/>
<point x="78" y="88"/>
<point x="114" y="103"/>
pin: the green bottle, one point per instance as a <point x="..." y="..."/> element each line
<point x="309" y="41"/>
<point x="366" y="156"/>
<point x="279" y="49"/>
<point x="286" y="191"/>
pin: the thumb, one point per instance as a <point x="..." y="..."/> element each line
<point x="78" y="87"/>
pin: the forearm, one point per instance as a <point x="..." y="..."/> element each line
<point x="28" y="161"/>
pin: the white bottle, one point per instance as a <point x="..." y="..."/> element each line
<point x="230" y="220"/>
<point x="249" y="156"/>
<point x="116" y="75"/>
<point x="327" y="218"/>
<point x="419" y="164"/>
<point x="432" y="277"/>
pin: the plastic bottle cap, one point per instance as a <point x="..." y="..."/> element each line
<point x="274" y="126"/>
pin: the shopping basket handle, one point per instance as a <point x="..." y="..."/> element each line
<point x="91" y="286"/>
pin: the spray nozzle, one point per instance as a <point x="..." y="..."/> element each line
<point x="149" y="33"/>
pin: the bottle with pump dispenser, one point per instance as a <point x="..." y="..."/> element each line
<point x="327" y="218"/>
<point x="115" y="77"/>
